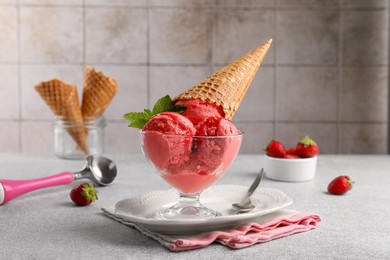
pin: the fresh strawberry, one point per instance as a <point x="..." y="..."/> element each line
<point x="306" y="147"/>
<point x="340" y="185"/>
<point x="83" y="194"/>
<point x="291" y="156"/>
<point x="275" y="149"/>
<point x="292" y="150"/>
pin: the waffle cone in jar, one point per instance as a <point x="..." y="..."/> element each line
<point x="228" y="86"/>
<point x="98" y="91"/>
<point x="62" y="99"/>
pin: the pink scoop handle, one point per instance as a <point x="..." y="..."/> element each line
<point x="14" y="188"/>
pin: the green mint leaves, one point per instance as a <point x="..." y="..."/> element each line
<point x="164" y="104"/>
<point x="138" y="119"/>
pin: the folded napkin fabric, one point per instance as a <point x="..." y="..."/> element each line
<point x="278" y="224"/>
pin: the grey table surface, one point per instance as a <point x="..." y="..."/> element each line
<point x="44" y="224"/>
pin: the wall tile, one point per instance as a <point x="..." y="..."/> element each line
<point x="308" y="3"/>
<point x="256" y="137"/>
<point x="120" y="138"/>
<point x="132" y="90"/>
<point x="9" y="92"/>
<point x="9" y="137"/>
<point x="238" y="32"/>
<point x="179" y="3"/>
<point x="51" y="34"/>
<point x="37" y="138"/>
<point x="325" y="135"/>
<point x="116" y="2"/>
<point x="33" y="106"/>
<point x="121" y="37"/>
<point x="8" y="34"/>
<point x="246" y="3"/>
<point x="364" y="94"/>
<point x="50" y="2"/>
<point x="171" y="40"/>
<point x="366" y="4"/>
<point x="363" y="138"/>
<point x="307" y="93"/>
<point x="9" y="1"/>
<point x="173" y="80"/>
<point x="307" y="36"/>
<point x="365" y="37"/>
<point x="258" y="103"/>
<point x="154" y="48"/>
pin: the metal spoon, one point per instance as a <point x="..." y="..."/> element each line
<point x="100" y="170"/>
<point x="246" y="205"/>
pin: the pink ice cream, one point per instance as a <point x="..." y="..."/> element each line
<point x="215" y="126"/>
<point x="198" y="110"/>
<point x="163" y="134"/>
<point x="190" y="164"/>
<point x="170" y="123"/>
<point x="193" y="149"/>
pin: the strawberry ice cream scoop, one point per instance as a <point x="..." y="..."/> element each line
<point x="215" y="126"/>
<point x="163" y="139"/>
<point x="214" y="152"/>
<point x="170" y="123"/>
<point x="198" y="110"/>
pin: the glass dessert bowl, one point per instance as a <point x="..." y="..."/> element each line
<point x="190" y="164"/>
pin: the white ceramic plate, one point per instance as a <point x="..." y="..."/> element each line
<point x="141" y="209"/>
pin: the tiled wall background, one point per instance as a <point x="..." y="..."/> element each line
<point x="326" y="74"/>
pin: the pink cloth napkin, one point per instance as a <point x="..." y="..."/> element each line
<point x="265" y="228"/>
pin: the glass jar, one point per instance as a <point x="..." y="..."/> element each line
<point x="76" y="140"/>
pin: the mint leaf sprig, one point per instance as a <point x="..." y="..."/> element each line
<point x="164" y="104"/>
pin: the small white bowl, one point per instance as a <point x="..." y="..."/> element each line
<point x="290" y="170"/>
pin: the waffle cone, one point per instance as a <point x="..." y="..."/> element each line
<point x="228" y="86"/>
<point x="62" y="99"/>
<point x="98" y="92"/>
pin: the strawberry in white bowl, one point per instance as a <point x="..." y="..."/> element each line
<point x="295" y="164"/>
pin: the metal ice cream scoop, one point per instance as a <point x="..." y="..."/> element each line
<point x="100" y="170"/>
